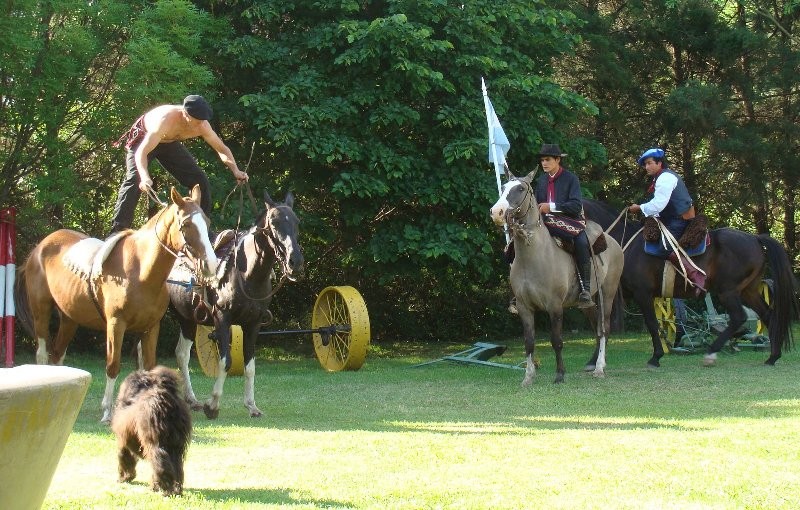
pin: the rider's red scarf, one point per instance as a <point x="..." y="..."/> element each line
<point x="652" y="187"/>
<point x="551" y="184"/>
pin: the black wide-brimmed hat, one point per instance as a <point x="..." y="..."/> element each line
<point x="197" y="107"/>
<point x="551" y="149"/>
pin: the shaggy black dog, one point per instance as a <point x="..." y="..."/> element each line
<point x="152" y="421"/>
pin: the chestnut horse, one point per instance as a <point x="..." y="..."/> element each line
<point x="115" y="286"/>
<point x="241" y="296"/>
<point x="544" y="277"/>
<point x="735" y="263"/>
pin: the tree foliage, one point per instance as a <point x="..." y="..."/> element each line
<point x="371" y="112"/>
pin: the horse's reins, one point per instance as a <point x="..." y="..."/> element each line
<point x="622" y="214"/>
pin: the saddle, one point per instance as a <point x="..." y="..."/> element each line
<point x="696" y="231"/>
<point x="598" y="246"/>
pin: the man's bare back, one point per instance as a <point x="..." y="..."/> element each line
<point x="171" y="123"/>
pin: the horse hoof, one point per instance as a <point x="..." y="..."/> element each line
<point x="771" y="361"/>
<point x="599" y="374"/>
<point x="527" y="382"/>
<point x="256" y="414"/>
<point x="559" y="379"/>
<point x="195" y="406"/>
<point x="709" y="360"/>
<point x="211" y="414"/>
<point x="589" y="368"/>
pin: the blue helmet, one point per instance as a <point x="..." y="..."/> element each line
<point x="650" y="153"/>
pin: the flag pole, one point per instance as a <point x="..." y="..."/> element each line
<point x="493" y="146"/>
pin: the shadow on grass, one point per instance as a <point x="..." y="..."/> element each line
<point x="262" y="497"/>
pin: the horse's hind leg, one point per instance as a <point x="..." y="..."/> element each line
<point x="732" y="304"/>
<point x="41" y="306"/>
<point x="66" y="331"/>
<point x="753" y="298"/>
<point x="557" y="342"/>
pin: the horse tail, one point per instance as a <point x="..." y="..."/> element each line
<point x="23" y="307"/>
<point x="784" y="297"/>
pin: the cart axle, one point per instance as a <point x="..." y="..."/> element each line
<point x="325" y="332"/>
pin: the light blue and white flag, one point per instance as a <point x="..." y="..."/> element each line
<point x="497" y="137"/>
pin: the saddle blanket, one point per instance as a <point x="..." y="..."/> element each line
<point x="657" y="249"/>
<point x="85" y="258"/>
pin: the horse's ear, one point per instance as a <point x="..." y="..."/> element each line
<point x="177" y="199"/>
<point x="268" y="199"/>
<point x="289" y="200"/>
<point x="530" y="176"/>
<point x="196" y="193"/>
<point x="510" y="175"/>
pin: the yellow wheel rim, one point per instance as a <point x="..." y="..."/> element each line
<point x="761" y="328"/>
<point x="208" y="354"/>
<point x="341" y="306"/>
<point x="665" y="314"/>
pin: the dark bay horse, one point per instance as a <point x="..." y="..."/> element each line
<point x="735" y="263"/>
<point x="544" y="277"/>
<point x="114" y="286"/>
<point x="241" y="296"/>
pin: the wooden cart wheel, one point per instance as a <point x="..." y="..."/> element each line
<point x="208" y="354"/>
<point x="665" y="314"/>
<point x="341" y="306"/>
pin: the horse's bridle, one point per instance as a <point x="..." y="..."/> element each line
<point x="513" y="215"/>
<point x="186" y="249"/>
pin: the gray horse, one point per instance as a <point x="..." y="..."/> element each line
<point x="543" y="275"/>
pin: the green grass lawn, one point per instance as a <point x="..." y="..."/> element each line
<point x="391" y="436"/>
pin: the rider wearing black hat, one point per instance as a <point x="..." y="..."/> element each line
<point x="558" y="193"/>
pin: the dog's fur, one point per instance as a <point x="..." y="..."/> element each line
<point x="152" y="421"/>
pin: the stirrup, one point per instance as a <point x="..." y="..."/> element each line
<point x="512" y="306"/>
<point x="585" y="300"/>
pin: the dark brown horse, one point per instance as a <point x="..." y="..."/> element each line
<point x="735" y="263"/>
<point x="543" y="276"/>
<point x="114" y="286"/>
<point x="241" y="296"/>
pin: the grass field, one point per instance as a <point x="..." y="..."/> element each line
<point x="391" y="436"/>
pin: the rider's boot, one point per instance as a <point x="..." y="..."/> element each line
<point x="697" y="279"/>
<point x="584" y="279"/>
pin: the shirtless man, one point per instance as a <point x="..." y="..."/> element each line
<point x="158" y="135"/>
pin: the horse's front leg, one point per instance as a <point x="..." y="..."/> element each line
<point x="222" y="332"/>
<point x="115" y="330"/>
<point x="183" y="352"/>
<point x="645" y="302"/>
<point x="528" y="331"/>
<point x="558" y="343"/>
<point x="250" y="333"/>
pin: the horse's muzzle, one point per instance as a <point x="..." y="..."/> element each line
<point x="498" y="215"/>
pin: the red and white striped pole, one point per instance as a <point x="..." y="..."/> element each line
<point x="8" y="242"/>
